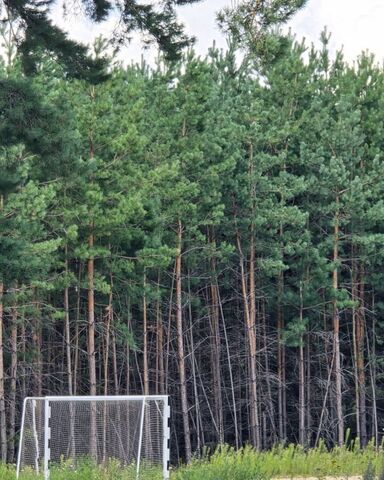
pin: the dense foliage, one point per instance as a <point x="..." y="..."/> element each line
<point x="209" y="229"/>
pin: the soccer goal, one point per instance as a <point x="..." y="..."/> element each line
<point x="132" y="431"/>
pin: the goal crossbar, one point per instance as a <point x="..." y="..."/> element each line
<point x="132" y="430"/>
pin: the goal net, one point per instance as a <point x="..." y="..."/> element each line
<point x="131" y="431"/>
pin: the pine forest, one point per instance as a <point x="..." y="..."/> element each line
<point x="207" y="228"/>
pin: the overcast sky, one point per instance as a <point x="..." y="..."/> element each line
<point x="355" y="25"/>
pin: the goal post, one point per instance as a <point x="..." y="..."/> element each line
<point x="132" y="431"/>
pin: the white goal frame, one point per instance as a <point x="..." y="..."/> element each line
<point x="100" y="398"/>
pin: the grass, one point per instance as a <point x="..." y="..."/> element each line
<point x="245" y="464"/>
<point x="225" y="464"/>
<point x="85" y="470"/>
<point x="291" y="461"/>
<point x="320" y="462"/>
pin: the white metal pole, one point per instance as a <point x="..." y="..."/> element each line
<point x="166" y="438"/>
<point x="140" y="439"/>
<point x="35" y="436"/>
<point x="47" y="437"/>
<point x="21" y="439"/>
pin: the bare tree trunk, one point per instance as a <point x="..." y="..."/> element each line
<point x="37" y="345"/>
<point x="215" y="365"/>
<point x="198" y="427"/>
<point x="169" y="324"/>
<point x="250" y="320"/>
<point x="115" y="370"/>
<point x="282" y="404"/>
<point x="91" y="310"/>
<point x="108" y="315"/>
<point x="251" y="326"/>
<point x="23" y="349"/>
<point x="145" y="339"/>
<point x="77" y="333"/>
<point x="269" y="401"/>
<point x="108" y="321"/>
<point x="91" y="347"/>
<point x="114" y="363"/>
<point x="68" y="343"/>
<point x="12" y="393"/>
<point x="308" y="392"/>
<point x="336" y="330"/>
<point x="233" y="395"/>
<point x="372" y="371"/>
<point x="160" y="383"/>
<point x="302" y="433"/>
<point x="67" y="336"/>
<point x="3" y="420"/>
<point x="128" y="346"/>
<point x="67" y="330"/>
<point x="360" y="337"/>
<point x="216" y="351"/>
<point x="319" y="429"/>
<point x="180" y="347"/>
<point x="355" y="343"/>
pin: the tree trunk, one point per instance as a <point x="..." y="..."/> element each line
<point x="282" y="408"/>
<point x="336" y="331"/>
<point x="76" y="359"/>
<point x="216" y="351"/>
<point x="114" y="362"/>
<point x="67" y="331"/>
<point x="250" y="321"/>
<point x="12" y="393"/>
<point x="360" y="340"/>
<point x="308" y="392"/>
<point x="372" y="371"/>
<point x="67" y="336"/>
<point x="160" y="383"/>
<point x="230" y="369"/>
<point x="269" y="400"/>
<point x="108" y="320"/>
<point x="145" y="340"/>
<point x="355" y="331"/>
<point x="180" y="347"/>
<point x="169" y="325"/>
<point x="128" y="353"/>
<point x="198" y="423"/>
<point x="3" y="420"/>
<point x="302" y="436"/>
<point x="91" y="348"/>
<point x="37" y="345"/>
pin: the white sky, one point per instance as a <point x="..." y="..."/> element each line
<point x="356" y="25"/>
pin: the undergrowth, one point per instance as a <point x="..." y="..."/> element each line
<point x="246" y="464"/>
<point x="85" y="470"/>
<point x="290" y="461"/>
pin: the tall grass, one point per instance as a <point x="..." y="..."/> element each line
<point x="86" y="470"/>
<point x="246" y="464"/>
<point x="225" y="464"/>
<point x="291" y="461"/>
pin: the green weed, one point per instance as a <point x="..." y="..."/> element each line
<point x="290" y="461"/>
<point x="228" y="464"/>
<point x="225" y="464"/>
